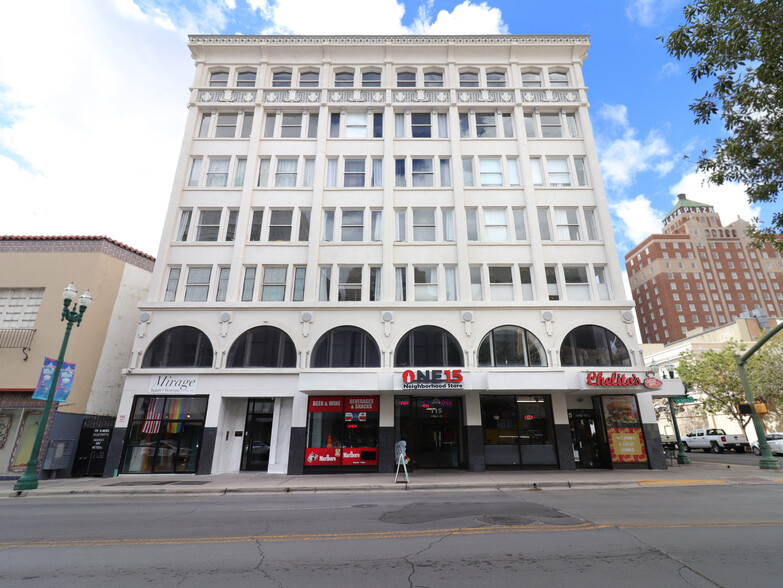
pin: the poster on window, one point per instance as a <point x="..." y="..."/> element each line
<point x="624" y="429"/>
<point x="342" y="431"/>
<point x="64" y="382"/>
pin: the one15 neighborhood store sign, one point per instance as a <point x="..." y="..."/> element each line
<point x="432" y="379"/>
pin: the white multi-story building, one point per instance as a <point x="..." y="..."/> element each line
<point x="381" y="238"/>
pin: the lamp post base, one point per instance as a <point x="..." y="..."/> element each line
<point x="27" y="482"/>
<point x="683" y="459"/>
<point x="769" y="463"/>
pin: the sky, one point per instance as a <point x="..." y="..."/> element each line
<point x="93" y="100"/>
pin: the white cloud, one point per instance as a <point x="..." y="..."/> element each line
<point x="729" y="200"/>
<point x="648" y="12"/>
<point x="669" y="69"/>
<point x="623" y="155"/>
<point x="466" y="18"/>
<point x="100" y="132"/>
<point x="637" y="216"/>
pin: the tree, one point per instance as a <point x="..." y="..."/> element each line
<point x="713" y="375"/>
<point x="738" y="47"/>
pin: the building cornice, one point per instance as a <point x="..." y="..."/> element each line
<point x="389" y="39"/>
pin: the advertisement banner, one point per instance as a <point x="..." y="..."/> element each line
<point x="163" y="385"/>
<point x="319" y="457"/>
<point x="361" y="404"/>
<point x="326" y="404"/>
<point x="64" y="382"/>
<point x="360" y="456"/>
<point x="624" y="429"/>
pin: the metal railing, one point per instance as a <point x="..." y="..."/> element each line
<point x="17" y="339"/>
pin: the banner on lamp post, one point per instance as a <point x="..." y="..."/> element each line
<point x="64" y="382"/>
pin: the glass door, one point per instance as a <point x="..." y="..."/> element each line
<point x="432" y="428"/>
<point x="258" y="434"/>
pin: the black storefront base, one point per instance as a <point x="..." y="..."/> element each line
<point x="114" y="453"/>
<point x="652" y="439"/>
<point x="206" y="451"/>
<point x="565" y="452"/>
<point x="296" y="451"/>
<point x="475" y="438"/>
<point x="386" y="463"/>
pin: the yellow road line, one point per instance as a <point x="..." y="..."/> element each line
<point x="677" y="482"/>
<point x="382" y="535"/>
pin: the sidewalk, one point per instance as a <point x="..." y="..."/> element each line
<point x="252" y="482"/>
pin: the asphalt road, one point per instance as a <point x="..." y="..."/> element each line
<point x="690" y="536"/>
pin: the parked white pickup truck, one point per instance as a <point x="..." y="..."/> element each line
<point x="715" y="440"/>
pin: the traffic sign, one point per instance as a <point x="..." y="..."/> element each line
<point x="682" y="399"/>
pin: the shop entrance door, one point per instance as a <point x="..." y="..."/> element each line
<point x="432" y="428"/>
<point x="590" y="450"/>
<point x="258" y="434"/>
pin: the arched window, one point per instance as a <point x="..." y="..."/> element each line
<point x="308" y="79"/>
<point x="496" y="79"/>
<point x="593" y="346"/>
<point x="218" y="79"/>
<point x="433" y="79"/>
<point x="281" y="79"/>
<point x="406" y="79"/>
<point x="179" y="347"/>
<point x="531" y="79"/>
<point x="266" y="347"/>
<point x="511" y="346"/>
<point x="468" y="79"/>
<point x="246" y="79"/>
<point x="558" y="79"/>
<point x="346" y="347"/>
<point x="343" y="79"/>
<point x="371" y="79"/>
<point x="428" y="347"/>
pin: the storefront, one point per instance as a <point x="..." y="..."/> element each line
<point x="433" y="428"/>
<point x="342" y="433"/>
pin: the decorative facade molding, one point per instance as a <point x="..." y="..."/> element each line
<point x="504" y="96"/>
<point x="292" y="96"/>
<point x="240" y="96"/>
<point x="389" y="39"/>
<point x="567" y="96"/>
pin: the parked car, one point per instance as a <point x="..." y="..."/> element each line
<point x="715" y="440"/>
<point x="669" y="441"/>
<point x="775" y="442"/>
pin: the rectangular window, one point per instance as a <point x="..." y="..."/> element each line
<point x="356" y="125"/>
<point x="217" y="172"/>
<point x="485" y="125"/>
<point x="325" y="283"/>
<point x="255" y="225"/>
<point x="550" y="273"/>
<point x="171" y="285"/>
<point x="376" y="225"/>
<point x="443" y="125"/>
<point x="423" y="224"/>
<point x="573" y="129"/>
<point x="226" y="125"/>
<point x="464" y="125"/>
<point x="399" y="125"/>
<point x="601" y="284"/>
<point x="399" y="225"/>
<point x="513" y="171"/>
<point x="352" y="225"/>
<point x="231" y="226"/>
<point x="544" y="224"/>
<point x="508" y="128"/>
<point x="328" y="232"/>
<point x="399" y="172"/>
<point x="501" y="286"/>
<point x="526" y="281"/>
<point x="285" y="177"/>
<point x="304" y="225"/>
<point x="495" y="224"/>
<point x="291" y="126"/>
<point x="535" y="170"/>
<point x="208" y="225"/>
<point x="331" y="173"/>
<point x="490" y="172"/>
<point x="375" y="284"/>
<point x="451" y="282"/>
<point x="445" y="172"/>
<point x="273" y="287"/>
<point x="400" y="284"/>
<point x="312" y="126"/>
<point x="263" y="173"/>
<point x="421" y="125"/>
<point x="520" y="232"/>
<point x="581" y="171"/>
<point x="422" y="173"/>
<point x="467" y="171"/>
<point x="280" y="225"/>
<point x="222" y="285"/>
<point x="353" y="176"/>
<point x="248" y="284"/>
<point x="184" y="224"/>
<point x="472" y="224"/>
<point x="425" y="283"/>
<point x="334" y="125"/>
<point x="475" y="283"/>
<point x="203" y="129"/>
<point x="377" y="173"/>
<point x="197" y="285"/>
<point x="592" y="225"/>
<point x="377" y="125"/>
<point x="195" y="172"/>
<point x="269" y="125"/>
<point x="309" y="172"/>
<point x="577" y="286"/>
<point x="247" y="125"/>
<point x="551" y="127"/>
<point x="299" y="284"/>
<point x="239" y="176"/>
<point x="530" y="126"/>
<point x="448" y="224"/>
<point x="558" y="171"/>
<point x="567" y="220"/>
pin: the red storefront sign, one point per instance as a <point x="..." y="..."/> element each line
<point x="361" y="404"/>
<point x="338" y="447"/>
<point x="326" y="404"/>
<point x="322" y="457"/>
<point x="360" y="456"/>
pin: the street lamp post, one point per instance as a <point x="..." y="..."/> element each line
<point x="29" y="480"/>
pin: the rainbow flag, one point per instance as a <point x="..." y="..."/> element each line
<point x="176" y="412"/>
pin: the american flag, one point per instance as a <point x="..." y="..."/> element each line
<point x="152" y="418"/>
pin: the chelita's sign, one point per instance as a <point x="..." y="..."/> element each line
<point x="617" y="380"/>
